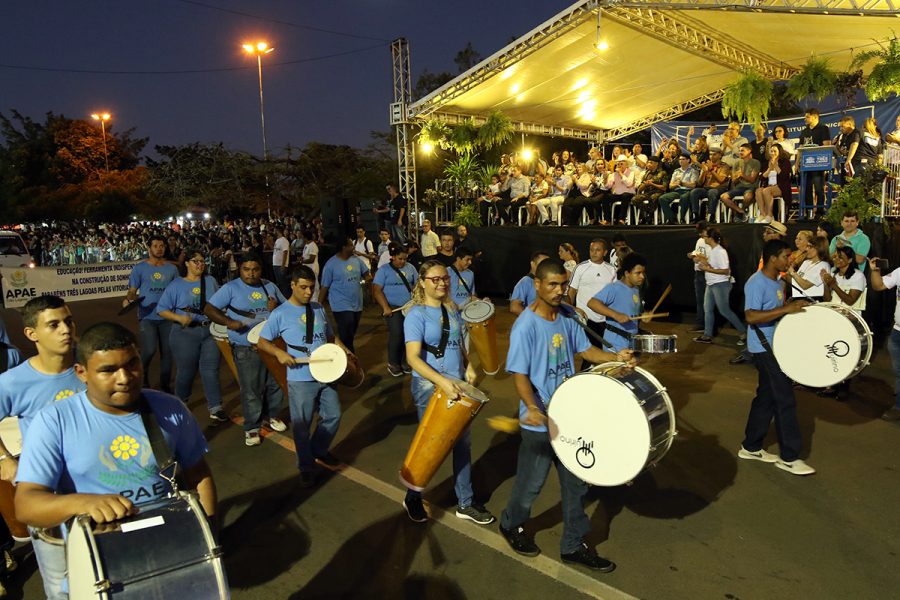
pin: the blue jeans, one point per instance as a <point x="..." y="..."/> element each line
<point x="894" y="350"/>
<point x="52" y="564"/>
<point x="713" y="196"/>
<point x="152" y="334"/>
<point x="699" y="296"/>
<point x="347" y="322"/>
<point x="774" y="399"/>
<point x="396" y="343"/>
<point x="717" y="297"/>
<point x="666" y="200"/>
<point x="535" y="457"/>
<point x="696" y="195"/>
<point x="397" y="231"/>
<point x="422" y="389"/>
<point x="305" y="398"/>
<point x="193" y="348"/>
<point x="256" y="382"/>
<point x="281" y="280"/>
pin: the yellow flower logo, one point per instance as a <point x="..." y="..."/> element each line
<point x="196" y="291"/>
<point x="124" y="447"/>
<point x="303" y="318"/>
<point x="157" y="276"/>
<point x="635" y="299"/>
<point x="780" y="295"/>
<point x="557" y="340"/>
<point x="349" y="267"/>
<point x="256" y="295"/>
<point x="63" y="394"/>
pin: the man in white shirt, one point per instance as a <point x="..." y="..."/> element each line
<point x="281" y="258"/>
<point x="589" y="278"/>
<point x="310" y="256"/>
<point x="363" y="247"/>
<point x="430" y="242"/>
<point x="560" y="184"/>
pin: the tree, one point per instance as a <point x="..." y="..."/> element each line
<point x="467" y="58"/>
<point x="427" y="82"/>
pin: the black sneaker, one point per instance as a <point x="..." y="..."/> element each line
<point x="589" y="558"/>
<point x="476" y="513"/>
<point x="395" y="371"/>
<point x="218" y="416"/>
<point x="703" y="340"/>
<point x="738" y="359"/>
<point x="415" y="509"/>
<point x="307" y="479"/>
<point x="329" y="461"/>
<point x="407" y="370"/>
<point x="520" y="542"/>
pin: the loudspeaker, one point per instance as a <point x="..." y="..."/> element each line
<point x="368" y="220"/>
<point x="339" y="218"/>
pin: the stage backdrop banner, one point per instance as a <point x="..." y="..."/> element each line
<point x="70" y="282"/>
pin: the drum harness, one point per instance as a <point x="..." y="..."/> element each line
<point x="4" y="356"/>
<point x="461" y="280"/>
<point x="445" y="335"/>
<point x="198" y="311"/>
<point x="310" y="322"/>
<point x="402" y="276"/>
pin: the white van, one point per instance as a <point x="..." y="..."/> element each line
<point x="13" y="252"/>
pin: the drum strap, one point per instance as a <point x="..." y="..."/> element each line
<point x="4" y="357"/>
<point x="762" y="339"/>
<point x="310" y="322"/>
<point x="618" y="331"/>
<point x="461" y="280"/>
<point x="403" y="278"/>
<point x="202" y="292"/>
<point x="445" y="335"/>
<point x="158" y="445"/>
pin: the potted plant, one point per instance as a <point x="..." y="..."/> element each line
<point x="467" y="214"/>
<point x="816" y="78"/>
<point x="884" y="79"/>
<point x="748" y="98"/>
<point x="463" y="173"/>
<point x="861" y="194"/>
<point x="463" y="138"/>
<point x="846" y="87"/>
<point x="496" y="130"/>
<point x="434" y="131"/>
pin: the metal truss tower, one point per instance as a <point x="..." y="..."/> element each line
<point x="406" y="157"/>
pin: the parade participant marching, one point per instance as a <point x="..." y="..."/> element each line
<point x="543" y="347"/>
<point x="147" y="282"/>
<point x="342" y="280"/>
<point x="462" y="280"/>
<point x="523" y="294"/>
<point x="193" y="346"/>
<point x="621" y="301"/>
<point x="303" y="325"/>
<point x="764" y="305"/>
<point x="39" y="382"/>
<point x="589" y="278"/>
<point x="880" y="283"/>
<point x="392" y="287"/>
<point x="434" y="349"/>
<point x="239" y="305"/>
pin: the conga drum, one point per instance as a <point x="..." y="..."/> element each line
<point x="441" y="427"/>
<point x="12" y="439"/>
<point x="278" y="370"/>
<point x="220" y="334"/>
<point x="479" y="318"/>
<point x="329" y="363"/>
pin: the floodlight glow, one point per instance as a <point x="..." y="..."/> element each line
<point x="527" y="154"/>
<point x="427" y="147"/>
<point x="189" y="215"/>
<point x="602" y="45"/>
<point x="206" y="216"/>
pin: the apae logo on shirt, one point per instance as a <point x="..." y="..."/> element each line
<point x="157" y="275"/>
<point x="558" y="362"/>
<point x="63" y="394"/>
<point x="128" y="467"/>
<point x="195" y="291"/>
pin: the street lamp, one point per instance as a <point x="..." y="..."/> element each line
<point x="258" y="49"/>
<point x="103" y="118"/>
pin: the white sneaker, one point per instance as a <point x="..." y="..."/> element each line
<point x="760" y="455"/>
<point x="275" y="424"/>
<point x="251" y="438"/>
<point x="796" y="467"/>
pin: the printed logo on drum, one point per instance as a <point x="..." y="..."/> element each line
<point x="836" y="350"/>
<point x="584" y="452"/>
<point x="62" y="394"/>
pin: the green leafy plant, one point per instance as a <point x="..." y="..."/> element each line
<point x="884" y="79"/>
<point x="496" y="130"/>
<point x="846" y="87"/>
<point x="436" y="198"/>
<point x="485" y="173"/>
<point x="463" y="171"/>
<point x="464" y="137"/>
<point x="435" y="132"/>
<point x="816" y="78"/>
<point x="748" y="98"/>
<point x="862" y="194"/>
<point x="467" y="214"/>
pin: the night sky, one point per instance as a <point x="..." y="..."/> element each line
<point x="335" y="100"/>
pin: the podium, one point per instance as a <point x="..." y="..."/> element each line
<point x="814" y="159"/>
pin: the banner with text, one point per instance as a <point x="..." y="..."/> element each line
<point x="70" y="282"/>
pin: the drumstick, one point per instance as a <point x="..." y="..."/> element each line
<point x="407" y="305"/>
<point x="504" y="424"/>
<point x="308" y="360"/>
<point x="649" y="316"/>
<point x="661" y="298"/>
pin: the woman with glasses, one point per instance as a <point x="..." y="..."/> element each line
<point x="846" y="285"/>
<point x="435" y="351"/>
<point x="192" y="344"/>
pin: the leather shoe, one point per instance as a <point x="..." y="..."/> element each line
<point x="588" y="557"/>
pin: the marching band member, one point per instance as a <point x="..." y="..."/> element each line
<point x="621" y="302"/>
<point x="764" y="305"/>
<point x="434" y="349"/>
<point x="542" y="350"/>
<point x="193" y="346"/>
<point x="392" y="288"/>
<point x="342" y="280"/>
<point x="523" y="293"/>
<point x="880" y="283"/>
<point x="304" y="326"/>
<point x="39" y="382"/>
<point x="239" y="305"/>
<point x="462" y="279"/>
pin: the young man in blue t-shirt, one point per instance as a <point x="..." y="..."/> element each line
<point x="148" y="281"/>
<point x="621" y="301"/>
<point x="543" y="346"/>
<point x="462" y="279"/>
<point x="303" y="326"/>
<point x="342" y="279"/>
<point x="89" y="454"/>
<point x="763" y="307"/>
<point x="392" y="288"/>
<point x="25" y="390"/>
<point x="523" y="294"/>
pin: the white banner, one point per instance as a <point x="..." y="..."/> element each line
<point x="70" y="282"/>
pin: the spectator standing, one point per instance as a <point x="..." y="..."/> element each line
<point x="430" y="242"/>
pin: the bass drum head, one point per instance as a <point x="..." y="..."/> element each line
<point x="477" y="311"/>
<point x="598" y="430"/>
<point x="84" y="567"/>
<point x="220" y="332"/>
<point x="818" y="347"/>
<point x="253" y="334"/>
<point x="330" y="363"/>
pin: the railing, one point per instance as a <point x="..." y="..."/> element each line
<point x="890" y="189"/>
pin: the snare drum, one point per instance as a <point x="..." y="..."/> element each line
<point x="220" y="334"/>
<point x="479" y="318"/>
<point x="165" y="551"/>
<point x="823" y="345"/>
<point x="329" y="363"/>
<point x="278" y="370"/>
<point x="654" y="344"/>
<point x="610" y="423"/>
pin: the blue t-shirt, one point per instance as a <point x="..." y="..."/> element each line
<point x="253" y="299"/>
<point x="76" y="447"/>
<point x="342" y="278"/>
<point x="524" y="291"/>
<point x="181" y="294"/>
<point x="458" y="291"/>
<point x="12" y="353"/>
<point x="762" y="293"/>
<point x="24" y="391"/>
<point x="392" y="286"/>
<point x="150" y="281"/>
<point x="423" y="324"/>
<point x="288" y="322"/>
<point x="545" y="352"/>
<point x="626" y="300"/>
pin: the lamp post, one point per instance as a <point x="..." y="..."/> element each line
<point x="258" y="49"/>
<point x="103" y="118"/>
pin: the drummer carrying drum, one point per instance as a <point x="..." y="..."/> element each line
<point x="621" y="302"/>
<point x="543" y="347"/>
<point x="434" y="349"/>
<point x="392" y="288"/>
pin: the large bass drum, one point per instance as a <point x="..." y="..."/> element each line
<point x="167" y="551"/>
<point x="611" y="422"/>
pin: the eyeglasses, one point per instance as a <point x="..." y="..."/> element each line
<point x="437" y="279"/>
<point x="198" y="261"/>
